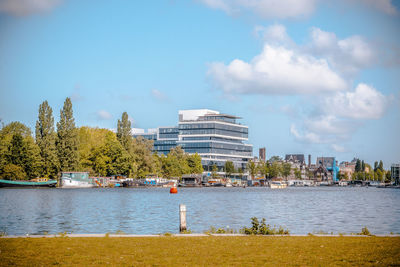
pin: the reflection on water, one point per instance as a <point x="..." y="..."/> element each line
<point x="152" y="211"/>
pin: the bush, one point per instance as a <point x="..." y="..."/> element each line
<point x="262" y="228"/>
<point x="365" y="231"/>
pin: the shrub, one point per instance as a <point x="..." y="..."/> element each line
<point x="365" y="231"/>
<point x="262" y="228"/>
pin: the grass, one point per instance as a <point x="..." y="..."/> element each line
<point x="195" y="251"/>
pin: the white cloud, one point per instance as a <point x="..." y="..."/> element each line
<point x="307" y="137"/>
<point x="275" y="34"/>
<point x="264" y="8"/>
<point x="338" y="116"/>
<point x="277" y="70"/>
<point x="365" y="102"/>
<point x="157" y="94"/>
<point x="103" y="115"/>
<point x="27" y="7"/>
<point x="347" y="56"/>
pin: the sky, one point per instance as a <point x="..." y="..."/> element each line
<point x="317" y="77"/>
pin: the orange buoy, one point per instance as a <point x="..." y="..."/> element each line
<point x="173" y="190"/>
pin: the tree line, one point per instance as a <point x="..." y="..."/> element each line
<point x="364" y="171"/>
<point x="101" y="152"/>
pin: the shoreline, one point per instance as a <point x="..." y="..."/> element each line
<point x="106" y="235"/>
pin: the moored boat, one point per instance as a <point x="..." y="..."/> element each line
<point x="76" y="180"/>
<point x="10" y="183"/>
<point x="277" y="185"/>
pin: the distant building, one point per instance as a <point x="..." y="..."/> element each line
<point x="216" y="137"/>
<point x="347" y="168"/>
<point x="327" y="168"/>
<point x="261" y="154"/>
<point x="295" y="158"/>
<point x="297" y="161"/>
<point x="395" y="173"/>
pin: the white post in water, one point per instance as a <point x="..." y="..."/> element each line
<point x="182" y="217"/>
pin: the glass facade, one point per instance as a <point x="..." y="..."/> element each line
<point x="216" y="137"/>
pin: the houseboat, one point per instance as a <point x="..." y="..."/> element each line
<point x="277" y="185"/>
<point x="42" y="182"/>
<point x="76" y="180"/>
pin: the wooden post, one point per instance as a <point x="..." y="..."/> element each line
<point x="182" y="218"/>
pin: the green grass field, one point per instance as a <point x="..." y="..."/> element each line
<point x="193" y="251"/>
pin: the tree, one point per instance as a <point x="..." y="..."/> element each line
<point x="229" y="168"/>
<point x="286" y="168"/>
<point x="358" y="166"/>
<point x="13" y="172"/>
<point x="252" y="168"/>
<point x="194" y="163"/>
<point x="46" y="140"/>
<point x="275" y="169"/>
<point x="297" y="173"/>
<point x="275" y="158"/>
<point x="124" y="131"/>
<point x="380" y="166"/>
<point x="110" y="158"/>
<point x="375" y="166"/>
<point x="362" y="166"/>
<point x="19" y="155"/>
<point x="67" y="140"/>
<point x="388" y="176"/>
<point x="380" y="175"/>
<point x="214" y="171"/>
<point x="140" y="151"/>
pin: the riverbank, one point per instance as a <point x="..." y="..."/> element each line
<point x="200" y="250"/>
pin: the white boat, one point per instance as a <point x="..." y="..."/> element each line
<point x="76" y="180"/>
<point x="277" y="184"/>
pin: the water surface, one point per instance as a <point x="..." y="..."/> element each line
<point x="154" y="210"/>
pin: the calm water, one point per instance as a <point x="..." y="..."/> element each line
<point x="152" y="211"/>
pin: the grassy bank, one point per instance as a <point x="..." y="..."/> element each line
<point x="211" y="250"/>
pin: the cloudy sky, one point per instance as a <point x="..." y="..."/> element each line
<point x="317" y="77"/>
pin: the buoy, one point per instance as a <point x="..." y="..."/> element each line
<point x="173" y="190"/>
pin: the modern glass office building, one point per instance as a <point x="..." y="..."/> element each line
<point x="216" y="137"/>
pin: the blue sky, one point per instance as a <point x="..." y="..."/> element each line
<point x="307" y="76"/>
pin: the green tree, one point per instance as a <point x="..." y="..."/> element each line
<point x="286" y="168"/>
<point x="358" y="166"/>
<point x="297" y="173"/>
<point x="110" y="158"/>
<point x="375" y="166"/>
<point x="380" y="175"/>
<point x="275" y="169"/>
<point x="124" y="131"/>
<point x="67" y="139"/>
<point x="380" y="166"/>
<point x="19" y="155"/>
<point x="194" y="163"/>
<point x="275" y="158"/>
<point x="13" y="172"/>
<point x="388" y="176"/>
<point x="141" y="152"/>
<point x="46" y="140"/>
<point x="229" y="168"/>
<point x="214" y="171"/>
<point x="362" y="166"/>
<point x="251" y="166"/>
<point x="17" y="151"/>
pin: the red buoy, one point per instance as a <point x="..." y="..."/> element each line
<point x="173" y="190"/>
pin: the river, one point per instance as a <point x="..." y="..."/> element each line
<point x="153" y="210"/>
